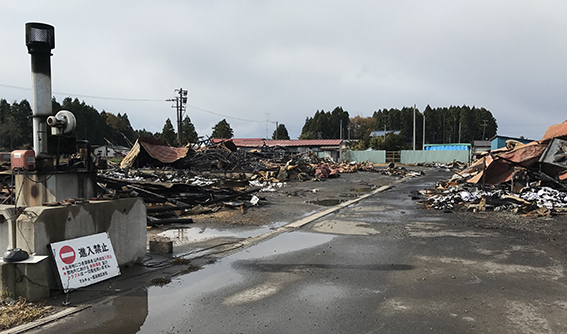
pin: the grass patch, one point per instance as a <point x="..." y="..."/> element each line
<point x="177" y="261"/>
<point x="14" y="313"/>
<point x="161" y="281"/>
<point x="191" y="268"/>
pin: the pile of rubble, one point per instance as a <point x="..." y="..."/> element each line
<point x="521" y="178"/>
<point x="179" y="181"/>
<point x="183" y="181"/>
<point x="173" y="196"/>
<point x="268" y="163"/>
<point x="532" y="200"/>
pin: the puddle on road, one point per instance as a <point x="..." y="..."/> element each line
<point x="181" y="236"/>
<point x="223" y="273"/>
<point x="151" y="310"/>
<point x="327" y="202"/>
<point x="188" y="294"/>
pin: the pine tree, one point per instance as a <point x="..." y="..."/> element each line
<point x="188" y="132"/>
<point x="280" y="133"/>
<point x="222" y="130"/>
<point x="168" y="134"/>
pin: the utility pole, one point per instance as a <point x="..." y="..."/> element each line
<point x="267" y="122"/>
<point x="484" y="125"/>
<point x="443" y="128"/>
<point x="423" y="147"/>
<point x="341" y="143"/>
<point x="414" y="127"/>
<point x="180" y="102"/>
<point x="276" y="130"/>
<point x="459" y="133"/>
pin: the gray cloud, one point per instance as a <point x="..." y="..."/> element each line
<point x="248" y="58"/>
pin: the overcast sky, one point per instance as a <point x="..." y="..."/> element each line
<point x="246" y="59"/>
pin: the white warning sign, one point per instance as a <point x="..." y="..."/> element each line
<point x="85" y="261"/>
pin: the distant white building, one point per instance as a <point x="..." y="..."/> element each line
<point x="107" y="151"/>
<point x="104" y="151"/>
<point x="380" y="133"/>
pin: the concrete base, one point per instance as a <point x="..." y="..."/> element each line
<point x="124" y="220"/>
<point x="26" y="280"/>
<point x="7" y="224"/>
<point x="36" y="189"/>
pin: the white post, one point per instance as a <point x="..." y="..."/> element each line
<point x="423" y="147"/>
<point x="414" y="127"/>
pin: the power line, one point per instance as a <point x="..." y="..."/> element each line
<point x="111" y="98"/>
<point x="136" y="100"/>
<point x="218" y="114"/>
<point x="90" y="96"/>
<point x="15" y="87"/>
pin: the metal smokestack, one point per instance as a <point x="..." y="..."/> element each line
<point x="40" y="40"/>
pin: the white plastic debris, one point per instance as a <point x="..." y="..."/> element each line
<point x="466" y="196"/>
<point x="267" y="186"/>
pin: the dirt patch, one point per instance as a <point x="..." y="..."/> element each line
<point x="161" y="281"/>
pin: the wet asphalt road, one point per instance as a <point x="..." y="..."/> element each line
<point x="383" y="265"/>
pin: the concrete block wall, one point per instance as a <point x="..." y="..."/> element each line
<point x="6" y="216"/>
<point x="124" y="220"/>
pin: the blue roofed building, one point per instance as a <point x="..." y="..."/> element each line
<point x="497" y="141"/>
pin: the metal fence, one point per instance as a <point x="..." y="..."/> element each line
<point x="406" y="157"/>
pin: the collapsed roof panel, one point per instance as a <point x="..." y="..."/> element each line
<point x="152" y="151"/>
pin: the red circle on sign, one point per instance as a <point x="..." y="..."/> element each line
<point x="67" y="254"/>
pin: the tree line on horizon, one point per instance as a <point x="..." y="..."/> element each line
<point x="443" y="125"/>
<point x="99" y="128"/>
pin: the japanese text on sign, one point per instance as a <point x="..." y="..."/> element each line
<point x="84" y="261"/>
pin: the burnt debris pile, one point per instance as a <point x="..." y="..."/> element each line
<point x="177" y="182"/>
<point x="529" y="179"/>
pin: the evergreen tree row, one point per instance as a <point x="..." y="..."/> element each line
<point x="326" y="125"/>
<point x="98" y="128"/>
<point x="442" y="125"/>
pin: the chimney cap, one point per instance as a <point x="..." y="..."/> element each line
<point x="40" y="37"/>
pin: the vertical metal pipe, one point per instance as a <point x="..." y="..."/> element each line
<point x="41" y="101"/>
<point x="40" y="40"/>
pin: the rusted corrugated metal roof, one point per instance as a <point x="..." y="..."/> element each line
<point x="500" y="166"/>
<point x="556" y="131"/>
<point x="257" y="142"/>
<point x="163" y="153"/>
<point x="155" y="149"/>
